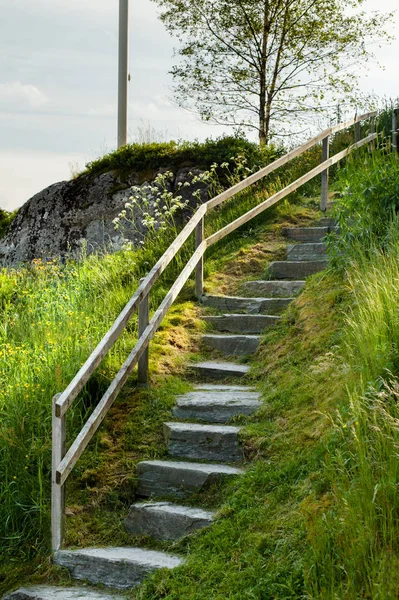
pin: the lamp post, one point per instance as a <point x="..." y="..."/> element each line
<point x="123" y="75"/>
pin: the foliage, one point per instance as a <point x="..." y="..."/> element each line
<point x="263" y="65"/>
<point x="142" y="157"/>
<point x="367" y="202"/>
<point x="6" y="218"/>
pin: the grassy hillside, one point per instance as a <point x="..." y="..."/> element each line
<point x="315" y="514"/>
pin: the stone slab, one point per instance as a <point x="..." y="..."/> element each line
<point x="203" y="442"/>
<point x="252" y="306"/>
<point x="311" y="251"/>
<point x="165" y="478"/>
<point x="293" y="269"/>
<point x="306" y="234"/>
<point x="222" y="387"/>
<point x="216" y="407"/>
<point x="246" y="324"/>
<point x="232" y="345"/>
<point x="275" y="289"/>
<point x="51" y="592"/>
<point x="219" y="370"/>
<point x="121" y="568"/>
<point x="166" y="521"/>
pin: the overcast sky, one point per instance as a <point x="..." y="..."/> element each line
<point x="58" y="87"/>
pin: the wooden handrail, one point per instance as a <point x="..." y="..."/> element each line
<point x="63" y="462"/>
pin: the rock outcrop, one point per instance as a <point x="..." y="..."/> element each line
<point x="70" y="216"/>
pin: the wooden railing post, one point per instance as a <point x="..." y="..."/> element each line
<point x="395" y="130"/>
<point x="325" y="174"/>
<point x="199" y="270"/>
<point x="57" y="490"/>
<point x="357" y="132"/>
<point x="144" y="319"/>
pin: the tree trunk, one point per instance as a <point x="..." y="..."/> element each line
<point x="263" y="129"/>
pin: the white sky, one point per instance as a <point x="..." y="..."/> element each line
<point x="58" y="86"/>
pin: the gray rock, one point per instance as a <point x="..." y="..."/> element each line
<point x="203" y="442"/>
<point x="121" y="568"/>
<point x="179" y="479"/>
<point x="275" y="289"/>
<point x="306" y="234"/>
<point x="247" y="324"/>
<point x="232" y="345"/>
<point x="51" y="592"/>
<point x="166" y="521"/>
<point x="326" y="222"/>
<point x="77" y="216"/>
<point x="252" y="306"/>
<point x="213" y="369"/>
<point x="216" y="406"/>
<point x="313" y="251"/>
<point x="293" y="269"/>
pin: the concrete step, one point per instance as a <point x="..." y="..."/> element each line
<point x="293" y="269"/>
<point x="51" y="592"/>
<point x="214" y="369"/>
<point x="312" y="251"/>
<point x="203" y="442"/>
<point x="232" y="345"/>
<point x="274" y="289"/>
<point x="166" y="521"/>
<point x="247" y="324"/>
<point x="216" y="406"/>
<point x="121" y="568"/>
<point x="306" y="234"/>
<point x="252" y="306"/>
<point x="165" y="478"/>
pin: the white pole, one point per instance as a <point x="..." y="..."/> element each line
<point x="123" y="71"/>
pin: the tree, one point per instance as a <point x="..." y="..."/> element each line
<point x="264" y="64"/>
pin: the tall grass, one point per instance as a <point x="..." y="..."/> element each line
<point x="355" y="542"/>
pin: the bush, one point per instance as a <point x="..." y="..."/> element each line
<point x="141" y="157"/>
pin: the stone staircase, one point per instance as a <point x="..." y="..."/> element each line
<point x="203" y="447"/>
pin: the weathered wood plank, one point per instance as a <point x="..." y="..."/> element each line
<point x="325" y="174"/>
<point x="199" y="270"/>
<point x="96" y="418"/>
<point x="286" y="191"/>
<point x="57" y="491"/>
<point x="83" y="375"/>
<point x="144" y="319"/>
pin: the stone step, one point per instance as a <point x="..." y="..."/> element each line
<point x="121" y="568"/>
<point x="232" y="345"/>
<point x="51" y="592"/>
<point x="247" y="324"/>
<point x="306" y="234"/>
<point x="222" y="387"/>
<point x="165" y="478"/>
<point x="252" y="306"/>
<point x="326" y="222"/>
<point x="286" y="269"/>
<point x="214" y="369"/>
<point x="216" y="406"/>
<point x="312" y="251"/>
<point x="203" y="442"/>
<point x="166" y="521"/>
<point x="274" y="289"/>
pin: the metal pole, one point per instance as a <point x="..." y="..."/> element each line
<point x="123" y="76"/>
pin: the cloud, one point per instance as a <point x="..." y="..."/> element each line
<point x="18" y="95"/>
